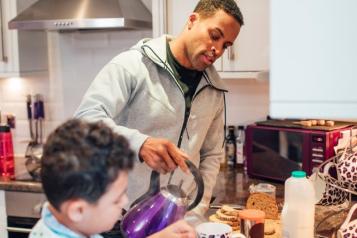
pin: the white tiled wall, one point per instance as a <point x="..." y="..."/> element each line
<point x="75" y="58"/>
<point x="247" y="100"/>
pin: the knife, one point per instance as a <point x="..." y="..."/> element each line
<point x="29" y="115"/>
<point x="39" y="115"/>
<point x="219" y="206"/>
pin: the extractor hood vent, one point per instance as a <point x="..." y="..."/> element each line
<point x="83" y="14"/>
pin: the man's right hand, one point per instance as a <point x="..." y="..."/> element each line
<point x="162" y="155"/>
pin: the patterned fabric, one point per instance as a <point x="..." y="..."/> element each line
<point x="349" y="227"/>
<point x="333" y="195"/>
<point x="347" y="169"/>
<point x="49" y="227"/>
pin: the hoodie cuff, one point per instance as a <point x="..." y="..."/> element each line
<point x="136" y="143"/>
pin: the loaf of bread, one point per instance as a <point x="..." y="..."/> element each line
<point x="265" y="203"/>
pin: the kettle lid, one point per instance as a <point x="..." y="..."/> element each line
<point x="175" y="194"/>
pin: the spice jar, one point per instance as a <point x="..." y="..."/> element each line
<point x="263" y="188"/>
<point x="252" y="223"/>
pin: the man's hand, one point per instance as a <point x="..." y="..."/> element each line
<point x="179" y="229"/>
<point x="162" y="155"/>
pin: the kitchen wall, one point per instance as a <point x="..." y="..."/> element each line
<point x="75" y="58"/>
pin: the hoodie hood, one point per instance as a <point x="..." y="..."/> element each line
<point x="153" y="48"/>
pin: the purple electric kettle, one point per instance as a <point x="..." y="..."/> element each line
<point x="159" y="208"/>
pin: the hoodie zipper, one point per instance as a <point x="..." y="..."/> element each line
<point x="187" y="111"/>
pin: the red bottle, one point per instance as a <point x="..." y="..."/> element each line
<point x="7" y="168"/>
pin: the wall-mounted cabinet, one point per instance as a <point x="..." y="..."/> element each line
<point x="248" y="57"/>
<point x="314" y="59"/>
<point x="22" y="52"/>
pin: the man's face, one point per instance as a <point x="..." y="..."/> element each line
<point x="208" y="37"/>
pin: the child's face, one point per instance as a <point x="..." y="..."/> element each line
<point x="103" y="215"/>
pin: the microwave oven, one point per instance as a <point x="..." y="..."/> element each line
<point x="273" y="152"/>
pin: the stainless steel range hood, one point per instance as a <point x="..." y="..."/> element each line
<point x="83" y="14"/>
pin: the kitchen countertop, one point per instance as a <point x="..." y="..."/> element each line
<point x="20" y="186"/>
<point x="232" y="187"/>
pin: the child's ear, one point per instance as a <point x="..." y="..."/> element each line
<point x="75" y="209"/>
<point x="192" y="19"/>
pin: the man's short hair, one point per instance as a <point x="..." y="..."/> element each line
<point x="207" y="8"/>
<point x="81" y="159"/>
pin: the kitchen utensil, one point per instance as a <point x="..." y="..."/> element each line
<point x="159" y="208"/>
<point x="234" y="206"/>
<point x="39" y="116"/>
<point x="33" y="152"/>
<point x="33" y="157"/>
<point x="29" y="115"/>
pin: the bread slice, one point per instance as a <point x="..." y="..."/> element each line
<point x="221" y="216"/>
<point x="230" y="211"/>
<point x="214" y="218"/>
<point x="265" y="203"/>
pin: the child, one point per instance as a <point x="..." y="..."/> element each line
<point x="84" y="176"/>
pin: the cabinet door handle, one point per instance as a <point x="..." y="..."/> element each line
<point x="18" y="230"/>
<point x="231" y="55"/>
<point x="2" y="46"/>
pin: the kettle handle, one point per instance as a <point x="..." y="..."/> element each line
<point x="199" y="182"/>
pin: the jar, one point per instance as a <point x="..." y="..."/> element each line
<point x="263" y="188"/>
<point x="252" y="223"/>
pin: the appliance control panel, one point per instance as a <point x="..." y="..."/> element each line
<point x="317" y="151"/>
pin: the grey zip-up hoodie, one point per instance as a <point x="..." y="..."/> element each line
<point x="138" y="97"/>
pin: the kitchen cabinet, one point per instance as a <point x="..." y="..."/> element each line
<point x="247" y="58"/>
<point x="21" y="52"/>
<point x="313" y="59"/>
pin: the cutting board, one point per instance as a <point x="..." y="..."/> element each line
<point x="290" y="124"/>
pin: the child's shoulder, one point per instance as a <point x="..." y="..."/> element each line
<point x="40" y="230"/>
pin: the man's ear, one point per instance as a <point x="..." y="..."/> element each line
<point x="75" y="209"/>
<point x="192" y="19"/>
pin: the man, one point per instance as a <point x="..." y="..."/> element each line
<point x="165" y="96"/>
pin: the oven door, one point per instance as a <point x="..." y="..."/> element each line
<point x="19" y="227"/>
<point x="23" y="210"/>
